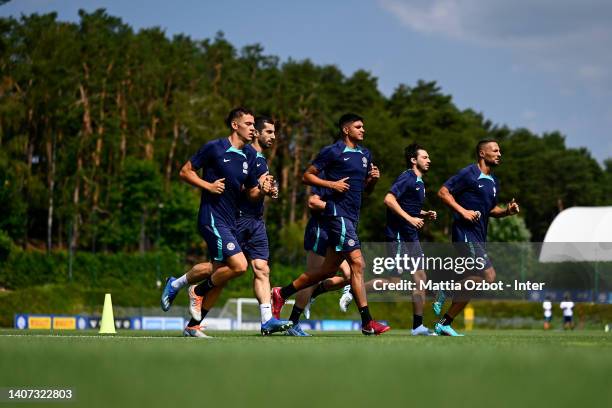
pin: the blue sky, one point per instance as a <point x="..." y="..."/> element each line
<point x="540" y="64"/>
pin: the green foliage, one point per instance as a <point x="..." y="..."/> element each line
<point x="292" y="238"/>
<point x="6" y="246"/>
<point x="29" y="268"/>
<point x="508" y="229"/>
<point x="96" y="120"/>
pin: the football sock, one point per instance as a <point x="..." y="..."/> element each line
<point x="318" y="290"/>
<point x="194" y="322"/>
<point x="288" y="290"/>
<point x="365" y="315"/>
<point x="266" y="312"/>
<point x="296" y="312"/>
<point x="204" y="287"/>
<point x="180" y="282"/>
<point x="446" y="320"/>
<point x="416" y="321"/>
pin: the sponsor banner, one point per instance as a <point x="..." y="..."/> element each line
<point x="64" y="323"/>
<point x="39" y="322"/>
<point x="331" y="325"/>
<point x="48" y="322"/>
<point x="60" y="322"/>
<point x="162" y="323"/>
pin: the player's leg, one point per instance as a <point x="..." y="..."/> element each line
<point x="460" y="301"/>
<point x="356" y="262"/>
<point x="235" y="265"/>
<point x="328" y="285"/>
<point x="199" y="308"/>
<point x="199" y="305"/>
<point x="418" y="304"/>
<point x="227" y="251"/>
<point x="253" y="239"/>
<point x="347" y="296"/>
<point x="328" y="268"/>
<point x="174" y="285"/>
<point x="302" y="298"/>
<point x="261" y="287"/>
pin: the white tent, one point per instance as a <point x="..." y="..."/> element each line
<point x="580" y="234"/>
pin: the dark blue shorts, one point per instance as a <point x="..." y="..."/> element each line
<point x="221" y="241"/>
<point x="341" y="234"/>
<point x="401" y="246"/>
<point x="315" y="237"/>
<point x="468" y="245"/>
<point x="407" y="244"/>
<point x="253" y="238"/>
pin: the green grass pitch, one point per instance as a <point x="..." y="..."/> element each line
<point x="159" y="369"/>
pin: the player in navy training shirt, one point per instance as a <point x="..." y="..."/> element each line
<point x="315" y="245"/>
<point x="349" y="173"/>
<point x="252" y="235"/>
<point x="472" y="195"/>
<point x="228" y="167"/>
<point x="405" y="215"/>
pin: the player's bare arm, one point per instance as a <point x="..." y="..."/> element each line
<point x="311" y="178"/>
<point x="430" y="215"/>
<point x="372" y="179"/>
<point x="264" y="187"/>
<point x="447" y="198"/>
<point x="315" y="203"/>
<point x="512" y="208"/>
<point x="189" y="175"/>
<point x="391" y="202"/>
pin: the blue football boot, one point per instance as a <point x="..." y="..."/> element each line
<point x="168" y="294"/>
<point x="275" y="325"/>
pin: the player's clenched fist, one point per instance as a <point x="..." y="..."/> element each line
<point x="218" y="187"/>
<point x="340" y="186"/>
<point x="374" y="172"/>
<point x="513" y="207"/>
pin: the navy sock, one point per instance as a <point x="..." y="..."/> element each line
<point x="296" y="312"/>
<point x="318" y="290"/>
<point x="194" y="322"/>
<point x="365" y="315"/>
<point x="204" y="287"/>
<point x="445" y="320"/>
<point x="416" y="321"/>
<point x="288" y="291"/>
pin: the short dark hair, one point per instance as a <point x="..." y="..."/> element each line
<point x="260" y="122"/>
<point x="412" y="152"/>
<point x="235" y="114"/>
<point x="482" y="143"/>
<point x="347" y="119"/>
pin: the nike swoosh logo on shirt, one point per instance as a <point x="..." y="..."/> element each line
<point x="258" y="164"/>
<point x="346" y="158"/>
<point x="480" y="185"/>
<point x="226" y="160"/>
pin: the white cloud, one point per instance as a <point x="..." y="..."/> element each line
<point x="572" y="38"/>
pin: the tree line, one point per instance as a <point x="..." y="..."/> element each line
<point x="97" y="118"/>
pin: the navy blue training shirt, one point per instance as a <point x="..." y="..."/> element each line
<point x="247" y="207"/>
<point x="409" y="190"/>
<point x="219" y="159"/>
<point x="476" y="191"/>
<point x="338" y="161"/>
